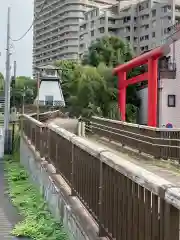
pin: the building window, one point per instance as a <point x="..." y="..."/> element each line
<point x="153" y="12"/>
<point x="143" y="6"/>
<point x="167" y="30"/>
<point x="154" y="23"/>
<point x="126" y="19"/>
<point x="49" y="100"/>
<point x="166" y="8"/>
<point x="101" y="30"/>
<point x="127" y="29"/>
<point x="81" y="37"/>
<point x="135" y="39"/>
<point x="153" y="34"/>
<point x="102" y="20"/>
<point x="146" y="48"/>
<point x="111" y="21"/>
<point x="92" y="24"/>
<point x="144" y="17"/>
<point x="92" y="33"/>
<point x="171" y="100"/>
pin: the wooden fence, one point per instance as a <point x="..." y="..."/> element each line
<point x="48" y="115"/>
<point x="128" y="202"/>
<point x="161" y="143"/>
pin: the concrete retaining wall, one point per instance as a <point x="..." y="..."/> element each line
<point x="65" y="208"/>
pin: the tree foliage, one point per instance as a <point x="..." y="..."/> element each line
<point x="24" y="86"/>
<point x="1" y="81"/>
<point x="109" y="50"/>
<point x="90" y="88"/>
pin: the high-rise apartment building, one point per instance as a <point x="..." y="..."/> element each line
<point x="56" y="28"/>
<point x="144" y="23"/>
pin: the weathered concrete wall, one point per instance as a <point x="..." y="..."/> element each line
<point x="68" y="209"/>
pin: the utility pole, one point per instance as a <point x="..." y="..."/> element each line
<point x="38" y="84"/>
<point x="13" y="104"/>
<point x="7" y="84"/>
<point x="23" y="95"/>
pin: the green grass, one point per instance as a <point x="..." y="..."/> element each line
<point x="38" y="222"/>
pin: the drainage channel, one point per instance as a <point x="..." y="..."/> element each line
<point x="8" y="213"/>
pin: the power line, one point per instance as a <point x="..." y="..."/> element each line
<point x="35" y="18"/>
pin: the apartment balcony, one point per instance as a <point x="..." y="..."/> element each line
<point x="167" y="69"/>
<point x="45" y="36"/>
<point x="112" y="33"/>
<point x="59" y="9"/>
<point x="143" y="12"/>
<point x="58" y="52"/>
<point x="56" y="48"/>
<point x="113" y="25"/>
<point x="59" y="22"/>
<point x="51" y="41"/>
<point x="177" y="14"/>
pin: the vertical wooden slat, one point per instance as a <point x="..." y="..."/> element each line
<point x="123" y="206"/>
<point x="162" y="219"/>
<point x="155" y="221"/>
<point x="174" y="223"/>
<point x="171" y="224"/>
<point x="141" y="230"/>
<point x="130" y="210"/>
<point x="100" y="202"/>
<point x="135" y="211"/>
<point x="147" y="215"/>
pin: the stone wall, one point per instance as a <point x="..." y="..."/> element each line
<point x="64" y="207"/>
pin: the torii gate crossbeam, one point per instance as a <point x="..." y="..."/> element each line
<point x="151" y="59"/>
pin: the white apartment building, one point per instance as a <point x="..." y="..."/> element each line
<point x="56" y="28"/>
<point x="144" y="23"/>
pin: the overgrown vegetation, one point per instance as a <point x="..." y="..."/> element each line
<point x="23" y="86"/>
<point x="37" y="222"/>
<point x="90" y="88"/>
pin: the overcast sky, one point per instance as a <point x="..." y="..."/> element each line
<point x="21" y="19"/>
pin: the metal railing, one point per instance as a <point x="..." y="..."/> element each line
<point x="128" y="202"/>
<point x="160" y="143"/>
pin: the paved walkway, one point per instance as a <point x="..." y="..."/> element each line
<point x="69" y="124"/>
<point x="161" y="168"/>
<point x="8" y="214"/>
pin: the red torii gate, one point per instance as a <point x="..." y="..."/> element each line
<point x="151" y="59"/>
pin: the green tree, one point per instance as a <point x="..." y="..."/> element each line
<point x="109" y="50"/>
<point x="28" y="87"/>
<point x="91" y="88"/>
<point x="1" y="81"/>
<point x="66" y="74"/>
<point x="84" y="88"/>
